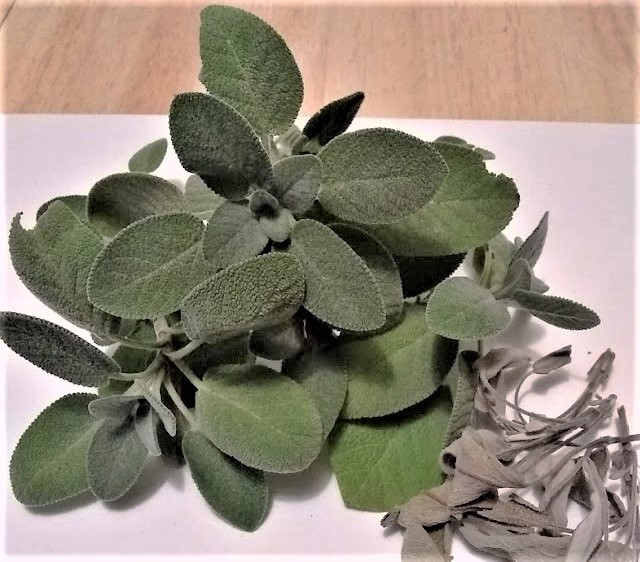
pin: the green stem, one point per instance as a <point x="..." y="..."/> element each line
<point x="187" y="372"/>
<point x="184" y="351"/>
<point x="173" y="394"/>
<point x="136" y="345"/>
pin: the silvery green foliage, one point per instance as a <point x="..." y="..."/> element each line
<point x="329" y="250"/>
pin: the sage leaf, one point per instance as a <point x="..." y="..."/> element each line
<point x="486" y="154"/>
<point x="464" y="382"/>
<point x="378" y="176"/>
<point x="113" y="407"/>
<point x="214" y="141"/>
<point x="132" y="359"/>
<point x="239" y="494"/>
<point x="278" y="342"/>
<point x="115" y="458"/>
<point x="461" y="309"/>
<point x="56" y="350"/>
<point x="228" y="351"/>
<point x="48" y="464"/>
<point x="552" y="361"/>
<point x="519" y="276"/>
<point x="247" y="64"/>
<point x="149" y="157"/>
<point x="557" y="311"/>
<point x="420" y="274"/>
<point x="149" y="267"/>
<point x="396" y="369"/>
<point x="262" y="203"/>
<point x="222" y="306"/>
<point x="472" y="206"/>
<point x="341" y="290"/>
<point x="232" y="235"/>
<point x="333" y="119"/>
<point x="199" y="199"/>
<point x="491" y="261"/>
<point x="77" y="204"/>
<point x="381" y="264"/>
<point x="118" y="200"/>
<point x="259" y="417"/>
<point x="377" y="463"/>
<point x="297" y="181"/>
<point x="278" y="227"/>
<point x="532" y="247"/>
<point x="418" y="546"/>
<point x="113" y="387"/>
<point x="146" y="424"/>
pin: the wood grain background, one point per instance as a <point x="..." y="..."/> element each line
<point x="565" y="61"/>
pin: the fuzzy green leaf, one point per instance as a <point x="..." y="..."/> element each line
<point x="214" y="141"/>
<point x="491" y="261"/>
<point x="463" y="384"/>
<point x="461" y="309"/>
<point x="532" y="247"/>
<point x="199" y="199"/>
<point x="259" y="417"/>
<point x="149" y="157"/>
<point x="56" y="350"/>
<point x="146" y="424"/>
<point x="472" y="206"/>
<point x="133" y="359"/>
<point x="77" y="204"/>
<point x="253" y="294"/>
<point x="519" y="276"/>
<point x="239" y="494"/>
<point x="115" y="458"/>
<point x="113" y="407"/>
<point x="278" y="342"/>
<point x="149" y="267"/>
<point x="49" y="462"/>
<point x="226" y="352"/>
<point x="379" y="176"/>
<point x="278" y="227"/>
<point x="121" y="199"/>
<point x="384" y="463"/>
<point x="297" y="181"/>
<point x="396" y="369"/>
<point x="113" y="387"/>
<point x="420" y="274"/>
<point x="557" y="311"/>
<point x="486" y="154"/>
<point x="232" y="235"/>
<point x="341" y="290"/>
<point x="247" y="64"/>
<point x="333" y="119"/>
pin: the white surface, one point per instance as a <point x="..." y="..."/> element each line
<point x="583" y="174"/>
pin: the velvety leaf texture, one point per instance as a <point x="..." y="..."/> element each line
<point x="226" y="352"/>
<point x="420" y="274"/>
<point x="77" y="204"/>
<point x="341" y="290"/>
<point x="491" y="261"/>
<point x="56" y="350"/>
<point x="239" y="494"/>
<point x="132" y="359"/>
<point x="253" y="294"/>
<point x="464" y="384"/>
<point x="149" y="267"/>
<point x="120" y="199"/>
<point x="532" y="247"/>
<point x="279" y="226"/>
<point x="557" y="311"/>
<point x="518" y="276"/>
<point x="199" y="199"/>
<point x="333" y="119"/>
<point x="379" y="176"/>
<point x="248" y="65"/>
<point x="149" y="157"/>
<point x="260" y="417"/>
<point x="214" y="141"/>
<point x="113" y="407"/>
<point x="278" y="342"/>
<point x="49" y="462"/>
<point x="297" y="181"/>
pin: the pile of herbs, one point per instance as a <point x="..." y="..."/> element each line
<point x="296" y="294"/>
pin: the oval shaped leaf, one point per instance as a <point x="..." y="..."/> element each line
<point x="341" y="290"/>
<point x="247" y="64"/>
<point x="379" y="176"/>
<point x="56" y="350"/>
<point x="237" y="493"/>
<point x="297" y="181"/>
<point x="214" y="141"/>
<point x="77" y="204"/>
<point x="278" y="228"/>
<point x="259" y="417"/>
<point x="333" y="119"/>
<point x="149" y="267"/>
<point x="199" y="199"/>
<point x="49" y="462"/>
<point x="557" y="311"/>
<point x="149" y="157"/>
<point x="278" y="342"/>
<point x="420" y="273"/>
<point x="115" y="407"/>
<point x="253" y="294"/>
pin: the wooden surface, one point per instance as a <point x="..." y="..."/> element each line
<point x="562" y="61"/>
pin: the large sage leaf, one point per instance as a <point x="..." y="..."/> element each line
<point x="341" y="290"/>
<point x="247" y="64"/>
<point x="214" y="141"/>
<point x="557" y="311"/>
<point x="383" y="463"/>
<point x="149" y="267"/>
<point x="199" y="199"/>
<point x="297" y="181"/>
<point x="149" y="157"/>
<point x="472" y="206"/>
<point x="49" y="462"/>
<point x="379" y="176"/>
<point x="56" y="350"/>
<point x="333" y="119"/>
<point x="224" y="306"/>
<point x="461" y="309"/>
<point x="260" y="417"/>
<point x="421" y="273"/>
<point x="239" y="494"/>
<point x="120" y="199"/>
<point x="77" y="204"/>
<point x="396" y="369"/>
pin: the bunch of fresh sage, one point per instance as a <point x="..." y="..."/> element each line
<point x="327" y="253"/>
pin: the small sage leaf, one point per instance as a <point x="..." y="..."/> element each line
<point x="56" y="350"/>
<point x="49" y="462"/>
<point x="491" y="261"/>
<point x="149" y="157"/>
<point x="461" y="309"/>
<point x="113" y="407"/>
<point x="239" y="494"/>
<point x="222" y="306"/>
<point x="214" y="141"/>
<point x="113" y="387"/>
<point x="260" y="417"/>
<point x="448" y="139"/>
<point x="418" y="546"/>
<point x="230" y="351"/>
<point x="297" y="181"/>
<point x="232" y="235"/>
<point x="77" y="204"/>
<point x="278" y="342"/>
<point x="464" y="383"/>
<point x="199" y="199"/>
<point x="333" y="119"/>
<point x="553" y="361"/>
<point x="420" y="274"/>
<point x="149" y="267"/>
<point x="341" y="290"/>
<point x="557" y="311"/>
<point x="121" y="199"/>
<point x="378" y="176"/>
<point x="132" y="359"/>
<point x="247" y="64"/>
<point x="531" y="248"/>
<point x="519" y="276"/>
<point x="262" y="203"/>
<point x="146" y="424"/>
<point x="278" y="227"/>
